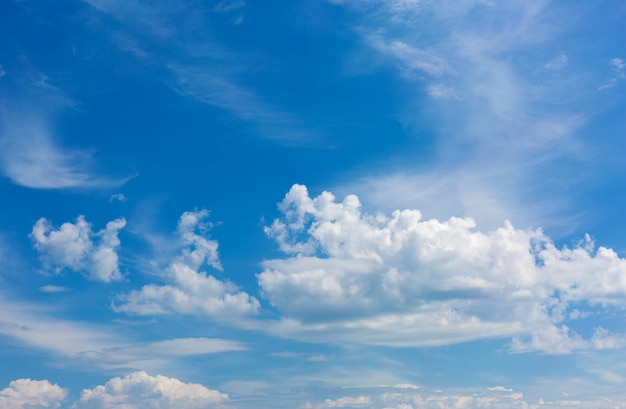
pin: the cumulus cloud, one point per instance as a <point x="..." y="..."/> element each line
<point x="400" y="280"/>
<point x="189" y="289"/>
<point x="29" y="394"/>
<point x="76" y="247"/>
<point x="140" y="390"/>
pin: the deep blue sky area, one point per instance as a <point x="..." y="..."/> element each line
<point x="376" y="204"/>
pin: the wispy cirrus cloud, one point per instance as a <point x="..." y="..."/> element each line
<point x="30" y="157"/>
<point x="494" y="86"/>
<point x="100" y="345"/>
<point x="200" y="68"/>
<point x="218" y="90"/>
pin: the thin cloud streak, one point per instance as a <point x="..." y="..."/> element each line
<point x="492" y="115"/>
<point x="29" y="157"/>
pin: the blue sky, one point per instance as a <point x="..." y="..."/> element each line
<point x="394" y="204"/>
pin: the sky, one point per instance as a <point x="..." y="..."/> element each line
<point x="311" y="204"/>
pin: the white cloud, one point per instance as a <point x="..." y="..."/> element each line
<point x="117" y="197"/>
<point x="228" y="5"/>
<point x="223" y="92"/>
<point x="76" y="247"/>
<point x="29" y="394"/>
<point x="158" y="355"/>
<point x="409" y="59"/>
<point x="139" y="390"/>
<point x="30" y="157"/>
<point x="205" y="70"/>
<point x="498" y="118"/>
<point x="191" y="290"/>
<point x="400" y="280"/>
<point x="98" y="345"/>
<point x="557" y="62"/>
<point x="34" y="326"/>
<point x="53" y="289"/>
<point x="347" y="401"/>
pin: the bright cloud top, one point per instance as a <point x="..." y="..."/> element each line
<point x="399" y="280"/>
<point x="140" y="390"/>
<point x="191" y="290"/>
<point x="29" y="394"/>
<point x="76" y="247"/>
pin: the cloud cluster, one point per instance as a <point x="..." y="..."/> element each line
<point x="497" y="397"/>
<point x="400" y="280"/>
<point x="137" y="390"/>
<point x="77" y="247"/>
<point x="189" y="289"/>
<point x="140" y="390"/>
<point x="29" y="394"/>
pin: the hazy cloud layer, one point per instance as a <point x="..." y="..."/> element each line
<point x="497" y="397"/>
<point x="400" y="280"/>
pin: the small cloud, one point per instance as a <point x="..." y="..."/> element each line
<point x="118" y="197"/>
<point x="2" y="71"/>
<point x="76" y="247"/>
<point x="618" y="63"/>
<point x="29" y="157"/>
<point x="53" y="289"/>
<point x="619" y="72"/>
<point x="441" y="91"/>
<point x="406" y="386"/>
<point x="557" y="62"/>
<point x="347" y="401"/>
<point x="500" y="389"/>
<point x="228" y="5"/>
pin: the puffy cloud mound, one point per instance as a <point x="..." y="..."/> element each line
<point x="190" y="290"/>
<point x="76" y="247"/>
<point x="29" y="394"/>
<point x="142" y="391"/>
<point x="400" y="280"/>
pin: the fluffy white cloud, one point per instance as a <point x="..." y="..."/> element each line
<point x="191" y="290"/>
<point x="29" y="394"/>
<point x="76" y="247"/>
<point x="400" y="280"/>
<point x="140" y="390"/>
